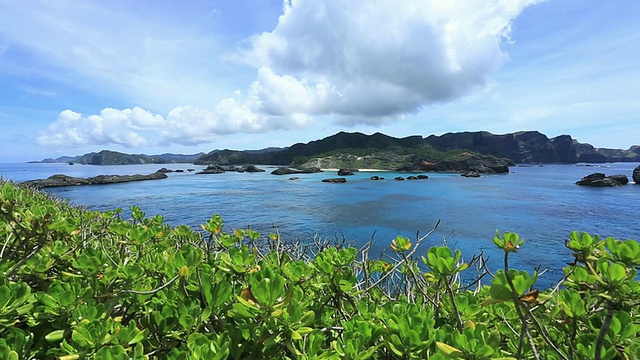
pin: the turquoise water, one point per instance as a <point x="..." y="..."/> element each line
<point x="542" y="204"/>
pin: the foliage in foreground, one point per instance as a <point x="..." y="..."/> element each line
<point x="82" y="284"/>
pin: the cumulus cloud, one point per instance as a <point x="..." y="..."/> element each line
<point x="185" y="125"/>
<point x="370" y="62"/>
<point x="111" y="126"/>
<point x="354" y="61"/>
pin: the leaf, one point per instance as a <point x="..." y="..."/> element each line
<point x="307" y="318"/>
<point x="500" y="292"/>
<point x="394" y="349"/>
<point x="81" y="339"/>
<point x="141" y="335"/>
<point x="55" y="336"/>
<point x="304" y="330"/>
<point x="184" y="271"/>
<point x="616" y="272"/>
<point x="69" y="357"/>
<point x="295" y="335"/>
<point x="531" y="297"/>
<point x="449" y="350"/>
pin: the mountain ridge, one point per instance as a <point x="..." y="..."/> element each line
<point x="524" y="147"/>
<point x="109" y="157"/>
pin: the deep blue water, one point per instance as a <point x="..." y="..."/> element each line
<point x="542" y="204"/>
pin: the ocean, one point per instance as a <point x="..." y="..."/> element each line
<point x="541" y="203"/>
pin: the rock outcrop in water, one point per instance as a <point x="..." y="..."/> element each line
<point x="287" y="171"/>
<point x="636" y="175"/>
<point x="346" y="172"/>
<point x="335" y="180"/>
<point x="64" y="180"/>
<point x="600" y="179"/>
<point x="220" y="169"/>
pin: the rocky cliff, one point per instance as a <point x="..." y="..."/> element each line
<point x="531" y="147"/>
<point x="376" y="149"/>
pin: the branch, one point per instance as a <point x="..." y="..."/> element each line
<point x="413" y="251"/>
<point x="151" y="292"/>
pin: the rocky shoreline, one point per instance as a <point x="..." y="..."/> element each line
<point x="468" y="165"/>
<point x="600" y="179"/>
<point x="64" y="180"/>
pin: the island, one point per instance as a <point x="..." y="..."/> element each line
<point x="64" y="180"/>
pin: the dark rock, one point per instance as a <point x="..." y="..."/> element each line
<point x="375" y="177"/>
<point x="288" y="171"/>
<point x="164" y="170"/>
<point x="191" y="170"/>
<point x="600" y="179"/>
<point x="230" y="168"/>
<point x="464" y="161"/>
<point x="621" y="179"/>
<point x="345" y="172"/>
<point x="636" y="175"/>
<point x="419" y="177"/>
<point x="311" y="170"/>
<point x="252" y="168"/>
<point x="335" y="180"/>
<point x="399" y="178"/>
<point x="471" y="173"/>
<point x="212" y="169"/>
<point x="284" y="171"/>
<point x="179" y="170"/>
<point x="64" y="180"/>
<point x="294" y="178"/>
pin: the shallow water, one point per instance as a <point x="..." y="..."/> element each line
<point x="542" y="204"/>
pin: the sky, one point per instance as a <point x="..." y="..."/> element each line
<point x="156" y="76"/>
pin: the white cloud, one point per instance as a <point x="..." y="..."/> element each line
<point x="369" y="62"/>
<point x="185" y="125"/>
<point x="354" y="61"/>
<point x="112" y="126"/>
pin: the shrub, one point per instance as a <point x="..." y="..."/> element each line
<point x="82" y="284"/>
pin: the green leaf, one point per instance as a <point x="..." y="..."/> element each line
<point x="449" y="350"/>
<point x="500" y="292"/>
<point x="141" y="335"/>
<point x="307" y="318"/>
<point x="55" y="336"/>
<point x="616" y="272"/>
<point x="82" y="338"/>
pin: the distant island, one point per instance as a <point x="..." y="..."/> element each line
<point x="477" y="151"/>
<point x="108" y="157"/>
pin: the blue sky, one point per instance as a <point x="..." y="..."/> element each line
<point x="188" y="76"/>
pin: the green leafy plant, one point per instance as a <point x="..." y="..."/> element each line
<point x="82" y="284"/>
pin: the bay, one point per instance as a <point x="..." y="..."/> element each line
<point x="541" y="203"/>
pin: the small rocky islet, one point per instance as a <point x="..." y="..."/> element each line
<point x="64" y="180"/>
<point x="602" y="180"/>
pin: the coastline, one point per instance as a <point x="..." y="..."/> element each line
<point x="359" y="170"/>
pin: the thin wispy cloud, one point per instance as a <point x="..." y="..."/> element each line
<point x="233" y="73"/>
